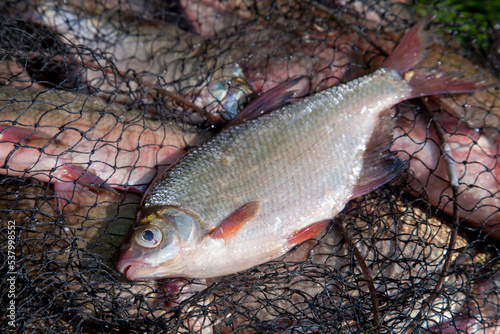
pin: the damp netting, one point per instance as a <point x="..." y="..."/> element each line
<point x="99" y="96"/>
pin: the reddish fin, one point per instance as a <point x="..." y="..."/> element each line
<point x="235" y="221"/>
<point x="409" y="59"/>
<point x="70" y="195"/>
<point x="138" y="189"/>
<point x="411" y="50"/>
<point x="69" y="172"/>
<point x="308" y="232"/>
<point x="273" y="99"/>
<point x="379" y="164"/>
<point x="26" y="136"/>
<point x="72" y="180"/>
<point x="64" y="191"/>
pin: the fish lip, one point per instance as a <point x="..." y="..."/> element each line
<point x="130" y="268"/>
<point x="125" y="270"/>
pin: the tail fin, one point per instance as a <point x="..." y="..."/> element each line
<point x="411" y="60"/>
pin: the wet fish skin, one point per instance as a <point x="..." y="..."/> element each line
<point x="470" y="127"/>
<point x="114" y="144"/>
<point x="259" y="188"/>
<point x="12" y="75"/>
<point x="261" y="164"/>
<point x="400" y="244"/>
<point x="319" y="49"/>
<point x="157" y="53"/>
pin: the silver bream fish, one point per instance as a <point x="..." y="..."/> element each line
<point x="261" y="187"/>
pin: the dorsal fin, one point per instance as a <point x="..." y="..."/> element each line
<point x="273" y="99"/>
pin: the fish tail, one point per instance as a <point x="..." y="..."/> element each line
<point x="410" y="60"/>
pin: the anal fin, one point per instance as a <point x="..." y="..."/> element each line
<point x="380" y="165"/>
<point x="308" y="232"/>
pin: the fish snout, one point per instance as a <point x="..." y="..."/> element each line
<point x="129" y="260"/>
<point x="128" y="266"/>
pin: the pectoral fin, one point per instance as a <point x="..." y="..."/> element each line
<point x="230" y="226"/>
<point x="307" y="232"/>
<point x="27" y="136"/>
<point x="69" y="172"/>
<point x="73" y="179"/>
<point x="70" y="195"/>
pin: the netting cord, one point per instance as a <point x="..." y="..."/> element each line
<point x="353" y="27"/>
<point x="452" y="176"/>
<point x="176" y="97"/>
<point x="366" y="272"/>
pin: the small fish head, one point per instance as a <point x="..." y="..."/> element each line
<point x="158" y="242"/>
<point x="228" y="93"/>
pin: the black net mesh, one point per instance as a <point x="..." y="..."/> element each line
<point x="98" y="96"/>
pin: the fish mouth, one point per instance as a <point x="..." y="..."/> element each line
<point x="131" y="269"/>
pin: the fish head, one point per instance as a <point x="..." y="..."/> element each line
<point x="158" y="243"/>
<point x="227" y="92"/>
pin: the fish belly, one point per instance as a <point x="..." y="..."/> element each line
<point x="300" y="163"/>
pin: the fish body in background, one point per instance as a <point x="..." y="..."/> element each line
<point x="474" y="157"/>
<point x="476" y="311"/>
<point x="469" y="124"/>
<point x="61" y="136"/>
<point x="261" y="187"/>
<point x="153" y="53"/>
<point x="297" y="39"/>
<point x="14" y="76"/>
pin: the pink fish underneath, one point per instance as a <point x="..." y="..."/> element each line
<point x="262" y="186"/>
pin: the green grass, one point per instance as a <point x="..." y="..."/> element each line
<point x="475" y="18"/>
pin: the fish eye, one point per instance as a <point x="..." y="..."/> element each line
<point x="149" y="236"/>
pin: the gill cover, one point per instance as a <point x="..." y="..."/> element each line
<point x="163" y="233"/>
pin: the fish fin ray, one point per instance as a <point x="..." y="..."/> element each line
<point x="68" y="194"/>
<point x="275" y="98"/>
<point x="26" y="136"/>
<point x="70" y="172"/>
<point x="409" y="60"/>
<point x="77" y="176"/>
<point x="308" y="232"/>
<point x="412" y="49"/>
<point x="380" y="165"/>
<point x="229" y="226"/>
<point x="64" y="190"/>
